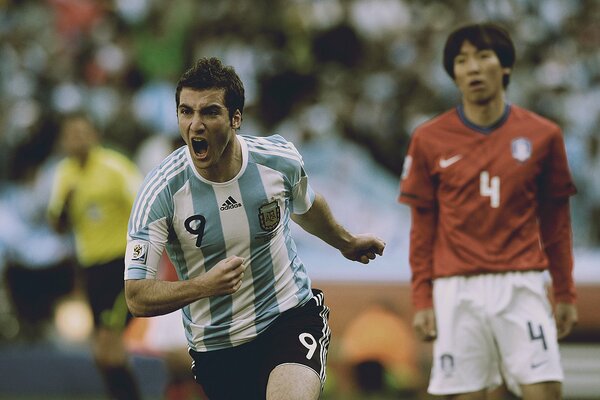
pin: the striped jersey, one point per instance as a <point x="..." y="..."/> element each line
<point x="200" y="223"/>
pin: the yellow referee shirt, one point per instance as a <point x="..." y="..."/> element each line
<point x="103" y="193"/>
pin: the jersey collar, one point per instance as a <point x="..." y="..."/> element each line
<point x="486" y="130"/>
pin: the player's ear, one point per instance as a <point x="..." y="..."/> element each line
<point x="236" y="120"/>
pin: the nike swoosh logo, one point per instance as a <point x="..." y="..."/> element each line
<point x="446" y="162"/>
<point x="539" y="364"/>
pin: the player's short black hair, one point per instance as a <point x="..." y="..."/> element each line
<point x="482" y="36"/>
<point x="209" y="73"/>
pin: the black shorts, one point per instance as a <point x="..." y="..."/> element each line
<point x="299" y="336"/>
<point x="104" y="285"/>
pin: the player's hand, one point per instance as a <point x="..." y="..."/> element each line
<point x="364" y="248"/>
<point x="224" y="278"/>
<point x="424" y="324"/>
<point x="566" y="318"/>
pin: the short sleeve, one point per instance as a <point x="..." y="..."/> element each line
<point x="302" y="195"/>
<point x="147" y="233"/>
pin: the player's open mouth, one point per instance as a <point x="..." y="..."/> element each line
<point x="476" y="84"/>
<point x="200" y="147"/>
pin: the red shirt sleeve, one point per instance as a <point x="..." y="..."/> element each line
<point x="555" y="224"/>
<point x="555" y="188"/>
<point x="417" y="187"/>
<point x="422" y="237"/>
<point x="556" y="180"/>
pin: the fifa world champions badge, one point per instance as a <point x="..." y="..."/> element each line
<point x="139" y="254"/>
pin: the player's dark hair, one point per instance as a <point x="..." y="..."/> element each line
<point x="210" y="73"/>
<point x="483" y="36"/>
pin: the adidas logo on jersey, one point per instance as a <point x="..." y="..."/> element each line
<point x="230" y="204"/>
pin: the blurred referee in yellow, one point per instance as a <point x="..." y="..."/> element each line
<point x="92" y="195"/>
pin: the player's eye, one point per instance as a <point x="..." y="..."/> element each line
<point x="459" y="60"/>
<point x="212" y="111"/>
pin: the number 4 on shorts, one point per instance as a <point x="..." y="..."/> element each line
<point x="538" y="336"/>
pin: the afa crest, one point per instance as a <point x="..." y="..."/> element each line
<point x="269" y="216"/>
<point x="521" y="149"/>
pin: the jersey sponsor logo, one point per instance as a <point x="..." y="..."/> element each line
<point x="446" y="162"/>
<point x="406" y="167"/>
<point x="140" y="251"/>
<point x="269" y="216"/>
<point x="230" y="204"/>
<point x="521" y="149"/>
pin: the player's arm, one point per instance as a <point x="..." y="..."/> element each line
<point x="151" y="297"/>
<point x="60" y="201"/>
<point x="555" y="226"/>
<point x="60" y="222"/>
<point x="422" y="237"/>
<point x="319" y="221"/>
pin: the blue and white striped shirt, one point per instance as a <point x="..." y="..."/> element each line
<point x="200" y="223"/>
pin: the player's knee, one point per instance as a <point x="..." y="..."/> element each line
<point x="293" y="381"/>
<point x="109" y="354"/>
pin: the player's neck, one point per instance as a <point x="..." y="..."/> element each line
<point x="484" y="113"/>
<point x="228" y="166"/>
<point x="82" y="157"/>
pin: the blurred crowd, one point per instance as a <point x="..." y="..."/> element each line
<point x="365" y="71"/>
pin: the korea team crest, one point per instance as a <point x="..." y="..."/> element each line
<point x="269" y="216"/>
<point x="521" y="149"/>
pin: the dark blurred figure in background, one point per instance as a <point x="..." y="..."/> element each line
<point x="35" y="262"/>
<point x="489" y="185"/>
<point x="92" y="195"/>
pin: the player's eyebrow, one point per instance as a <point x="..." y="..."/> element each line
<point x="205" y="108"/>
<point x="211" y="107"/>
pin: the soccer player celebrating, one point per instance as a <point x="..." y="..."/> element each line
<point x="221" y="206"/>
<point x="488" y="185"/>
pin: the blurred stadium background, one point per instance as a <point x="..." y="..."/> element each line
<point x="347" y="81"/>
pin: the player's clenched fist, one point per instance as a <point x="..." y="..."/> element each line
<point x="225" y="277"/>
<point x="363" y="248"/>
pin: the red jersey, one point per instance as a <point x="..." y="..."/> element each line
<point x="486" y="185"/>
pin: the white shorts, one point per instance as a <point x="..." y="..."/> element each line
<point x="490" y="327"/>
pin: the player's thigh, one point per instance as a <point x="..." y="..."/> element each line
<point x="299" y="337"/>
<point x="229" y="373"/>
<point x="104" y="286"/>
<point x="108" y="347"/>
<point x="526" y="337"/>
<point x="478" y="395"/>
<point x="293" y="382"/>
<point x="465" y="358"/>
<point x="542" y="390"/>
